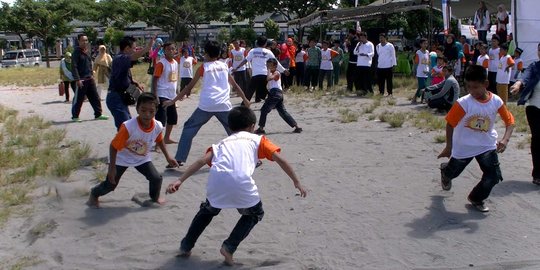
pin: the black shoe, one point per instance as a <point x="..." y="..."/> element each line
<point x="260" y="131"/>
<point x="297" y="130"/>
<point x="478" y="205"/>
<point x="446" y="183"/>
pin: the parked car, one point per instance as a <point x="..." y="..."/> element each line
<point x="22" y="58"/>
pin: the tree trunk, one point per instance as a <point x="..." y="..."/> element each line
<point x="47" y="54"/>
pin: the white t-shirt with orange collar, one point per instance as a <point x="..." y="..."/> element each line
<point x="503" y="76"/>
<point x="238" y="56"/>
<point x="230" y="182"/>
<point x="134" y="143"/>
<point x="215" y="89"/>
<point x="326" y="59"/>
<point x="186" y="66"/>
<point x="167" y="73"/>
<point x="473" y="122"/>
<point x="494" y="59"/>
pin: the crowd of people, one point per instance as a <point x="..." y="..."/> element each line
<point x="265" y="72"/>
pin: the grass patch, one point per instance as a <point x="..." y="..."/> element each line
<point x="427" y="120"/>
<point x="525" y="143"/>
<point x="25" y="262"/>
<point x="395" y="120"/>
<point x="439" y="138"/>
<point x="30" y="148"/>
<point x="34" y="76"/>
<point x="522" y="125"/>
<point x="347" y="116"/>
<point x="374" y="105"/>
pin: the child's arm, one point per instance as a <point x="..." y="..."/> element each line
<point x="286" y="167"/>
<point x="172" y="162"/>
<point x="206" y="159"/>
<point x="239" y="65"/>
<point x="239" y="91"/>
<point x="111" y="173"/>
<point x="447" y="151"/>
<point x="186" y="90"/>
<point x="508" y="119"/>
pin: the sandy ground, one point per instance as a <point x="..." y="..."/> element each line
<point x="375" y="202"/>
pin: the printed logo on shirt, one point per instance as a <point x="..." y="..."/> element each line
<point x="238" y="58"/>
<point x="138" y="147"/>
<point x="478" y="123"/>
<point x="187" y="64"/>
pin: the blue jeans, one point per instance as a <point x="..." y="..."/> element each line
<point x="421" y="85"/>
<point x="192" y="126"/>
<point x="489" y="164"/>
<point x="250" y="217"/>
<point x="119" y="110"/>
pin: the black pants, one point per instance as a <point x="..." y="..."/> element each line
<point x="184" y="82"/>
<point x="275" y="100"/>
<point x="300" y="71"/>
<point x="147" y="169"/>
<point x="492" y="78"/>
<point x="364" y="78"/>
<point x="533" y="114"/>
<point x="385" y="76"/>
<point x="328" y="74"/>
<point x="87" y="90"/>
<point x="439" y="103"/>
<point x="287" y="81"/>
<point x="250" y="217"/>
<point x="311" y="76"/>
<point x="491" y="173"/>
<point x="352" y="74"/>
<point x="167" y="116"/>
<point x="257" y="86"/>
<point x="241" y="79"/>
<point x="66" y="88"/>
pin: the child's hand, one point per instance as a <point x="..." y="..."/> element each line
<point x="173" y="187"/>
<point x="167" y="103"/>
<point x="173" y="163"/>
<point x="303" y="192"/>
<point x="501" y="146"/>
<point x="111" y="176"/>
<point x="446" y="152"/>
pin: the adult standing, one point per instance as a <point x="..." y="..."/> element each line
<point x="482" y="21"/>
<point x="337" y="61"/>
<point x="529" y="85"/>
<point x="385" y="65"/>
<point x="288" y="60"/>
<point x="502" y="23"/>
<point x="121" y="79"/>
<point x="86" y="85"/>
<point x="102" y="68"/>
<point x="351" y="42"/>
<point x="452" y="52"/>
<point x="364" y="51"/>
<point x="66" y="76"/>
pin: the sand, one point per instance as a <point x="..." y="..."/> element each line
<point x="375" y="201"/>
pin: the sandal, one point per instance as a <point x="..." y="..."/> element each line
<point x="180" y="163"/>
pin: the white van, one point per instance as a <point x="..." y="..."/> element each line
<point x="22" y="58"/>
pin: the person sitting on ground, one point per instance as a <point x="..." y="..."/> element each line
<point x="443" y="95"/>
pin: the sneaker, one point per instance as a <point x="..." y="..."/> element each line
<point x="478" y="205"/>
<point x="297" y="130"/>
<point x="102" y="117"/>
<point x="260" y="131"/>
<point x="259" y="163"/>
<point x="76" y="119"/>
<point x="446" y="183"/>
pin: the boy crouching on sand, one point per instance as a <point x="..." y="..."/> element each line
<point x="230" y="184"/>
<point x="131" y="148"/>
<point x="470" y="133"/>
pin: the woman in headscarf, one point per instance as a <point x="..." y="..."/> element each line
<point x="66" y="76"/>
<point x="482" y="21"/>
<point x="502" y="22"/>
<point x="102" y="68"/>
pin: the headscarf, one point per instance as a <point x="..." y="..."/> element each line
<point x="103" y="58"/>
<point x="160" y="53"/>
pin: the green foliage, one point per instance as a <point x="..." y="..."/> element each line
<point x="113" y="36"/>
<point x="117" y="13"/>
<point x="272" y="29"/>
<point x="223" y="35"/>
<point x="247" y="34"/>
<point x="91" y="33"/>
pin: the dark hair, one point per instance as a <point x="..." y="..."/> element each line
<point x="337" y="41"/>
<point x="504" y="46"/>
<point x="212" y="48"/>
<point x="81" y="35"/>
<point x="272" y="60"/>
<point x="382" y="35"/>
<point x="325" y="42"/>
<point x="241" y="118"/>
<point x="484" y="46"/>
<point x="450" y="68"/>
<point x="261" y="41"/>
<point x="495" y="37"/>
<point x="167" y="44"/>
<point x="475" y="73"/>
<point x="422" y="40"/>
<point x="146" y="97"/>
<point x="362" y="34"/>
<point x="352" y="31"/>
<point x="440" y="48"/>
<point x="126" y="41"/>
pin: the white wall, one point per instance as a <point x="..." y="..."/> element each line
<point x="527" y="28"/>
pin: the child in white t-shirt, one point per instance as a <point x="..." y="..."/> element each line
<point x="504" y="71"/>
<point x="275" y="99"/>
<point x="131" y="148"/>
<point x="470" y="133"/>
<point x="421" y="61"/>
<point x="214" y="98"/>
<point x="230" y="184"/>
<point x="186" y="69"/>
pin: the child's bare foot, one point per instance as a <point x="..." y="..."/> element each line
<point x="169" y="141"/>
<point x="161" y="200"/>
<point x="93" y="201"/>
<point x="228" y="257"/>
